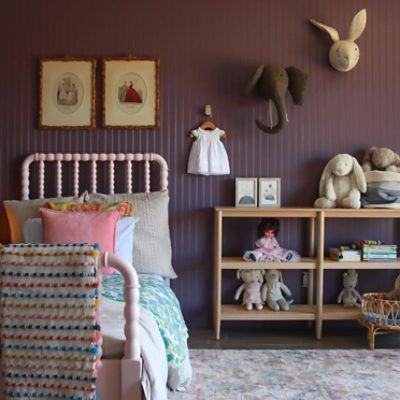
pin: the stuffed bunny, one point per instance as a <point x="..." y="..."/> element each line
<point x="349" y="294"/>
<point x="272" y="289"/>
<point x="253" y="279"/>
<point x="381" y="159"/>
<point x="344" y="54"/>
<point x="341" y="182"/>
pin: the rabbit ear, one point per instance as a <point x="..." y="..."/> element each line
<point x="238" y="274"/>
<point x="359" y="175"/>
<point x="253" y="81"/>
<point x="358" y="25"/>
<point x="323" y="182"/>
<point x="333" y="33"/>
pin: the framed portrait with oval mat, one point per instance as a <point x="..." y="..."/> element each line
<point x="67" y="93"/>
<point x="131" y="92"/>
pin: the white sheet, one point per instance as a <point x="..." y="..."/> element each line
<point x="153" y="352"/>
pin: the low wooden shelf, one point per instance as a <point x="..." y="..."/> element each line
<point x="315" y="261"/>
<point x="297" y="312"/>
<point x="239" y="263"/>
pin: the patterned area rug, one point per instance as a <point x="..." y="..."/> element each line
<point x="293" y="375"/>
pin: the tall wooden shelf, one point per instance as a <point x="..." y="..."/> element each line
<point x="311" y="311"/>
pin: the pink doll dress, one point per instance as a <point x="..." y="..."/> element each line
<point x="252" y="293"/>
<point x="268" y="249"/>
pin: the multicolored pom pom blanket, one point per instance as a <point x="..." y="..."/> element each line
<point x="50" y="337"/>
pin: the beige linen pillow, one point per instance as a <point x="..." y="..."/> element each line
<point x="18" y="211"/>
<point x="152" y="251"/>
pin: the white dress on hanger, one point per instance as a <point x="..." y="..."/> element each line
<point x="208" y="155"/>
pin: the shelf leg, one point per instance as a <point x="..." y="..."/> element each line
<point x="217" y="272"/>
<point x="311" y="253"/>
<point x="320" y="274"/>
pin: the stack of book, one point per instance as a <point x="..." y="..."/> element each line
<point x="344" y="254"/>
<point x="379" y="252"/>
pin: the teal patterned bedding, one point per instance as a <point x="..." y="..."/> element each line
<point x="160" y="300"/>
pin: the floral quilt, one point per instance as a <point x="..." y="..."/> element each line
<point x="160" y="300"/>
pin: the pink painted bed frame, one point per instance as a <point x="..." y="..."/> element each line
<point x="119" y="379"/>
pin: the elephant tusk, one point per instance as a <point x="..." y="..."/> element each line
<point x="271" y="115"/>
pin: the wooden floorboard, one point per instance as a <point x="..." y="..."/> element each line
<point x="287" y="338"/>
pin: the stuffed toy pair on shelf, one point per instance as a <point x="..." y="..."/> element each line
<point x="343" y="179"/>
<point x="257" y="292"/>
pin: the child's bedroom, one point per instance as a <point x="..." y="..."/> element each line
<point x="200" y="200"/>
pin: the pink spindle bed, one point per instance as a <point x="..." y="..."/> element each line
<point x="119" y="378"/>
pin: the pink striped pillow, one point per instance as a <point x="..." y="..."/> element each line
<point x="77" y="227"/>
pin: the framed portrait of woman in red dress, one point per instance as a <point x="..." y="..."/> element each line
<point x="131" y="92"/>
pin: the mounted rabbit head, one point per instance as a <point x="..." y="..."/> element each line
<point x="344" y="54"/>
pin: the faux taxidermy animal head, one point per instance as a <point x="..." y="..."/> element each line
<point x="344" y="54"/>
<point x="271" y="83"/>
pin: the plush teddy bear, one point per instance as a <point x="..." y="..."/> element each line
<point x="341" y="182"/>
<point x="395" y="293"/>
<point x="267" y="247"/>
<point x="272" y="289"/>
<point x="252" y="281"/>
<point x="349" y="294"/>
<point x="381" y="159"/>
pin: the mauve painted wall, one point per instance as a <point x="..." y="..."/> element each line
<point x="208" y="50"/>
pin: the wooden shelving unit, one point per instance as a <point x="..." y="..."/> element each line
<point x="311" y="311"/>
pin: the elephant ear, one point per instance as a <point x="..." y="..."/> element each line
<point x="297" y="83"/>
<point x="253" y="81"/>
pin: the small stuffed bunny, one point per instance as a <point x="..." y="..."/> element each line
<point x="381" y="159"/>
<point x="252" y="281"/>
<point x="341" y="182"/>
<point x="272" y="289"/>
<point x="344" y="54"/>
<point x="349" y="294"/>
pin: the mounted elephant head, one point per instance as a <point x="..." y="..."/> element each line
<point x="272" y="83"/>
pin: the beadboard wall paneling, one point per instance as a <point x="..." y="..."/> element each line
<point x="208" y="49"/>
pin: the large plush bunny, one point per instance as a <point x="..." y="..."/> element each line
<point x="344" y="54"/>
<point x="252" y="281"/>
<point x="272" y="289"/>
<point x="341" y="182"/>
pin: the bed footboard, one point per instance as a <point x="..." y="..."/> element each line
<point x="120" y="379"/>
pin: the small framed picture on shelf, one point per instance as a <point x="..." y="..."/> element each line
<point x="269" y="192"/>
<point x="246" y="192"/>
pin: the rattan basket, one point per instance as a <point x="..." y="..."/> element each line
<point x="379" y="315"/>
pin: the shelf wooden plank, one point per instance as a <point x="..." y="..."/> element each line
<point x="284" y="212"/>
<point x="330" y="264"/>
<point x="339" y="312"/>
<point x="307" y="212"/>
<point x="361" y="213"/>
<point x="239" y="263"/>
<point x="297" y="312"/>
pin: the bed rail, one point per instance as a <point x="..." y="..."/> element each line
<point x="93" y="158"/>
<point x="131" y="309"/>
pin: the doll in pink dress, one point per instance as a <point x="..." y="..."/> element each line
<point x="267" y="247"/>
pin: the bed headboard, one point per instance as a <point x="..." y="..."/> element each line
<point x="93" y="159"/>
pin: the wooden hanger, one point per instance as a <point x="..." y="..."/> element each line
<point x="207" y="125"/>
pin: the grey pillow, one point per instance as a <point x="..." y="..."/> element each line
<point x="18" y="211"/>
<point x="152" y="250"/>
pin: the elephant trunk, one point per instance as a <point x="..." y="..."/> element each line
<point x="282" y="117"/>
